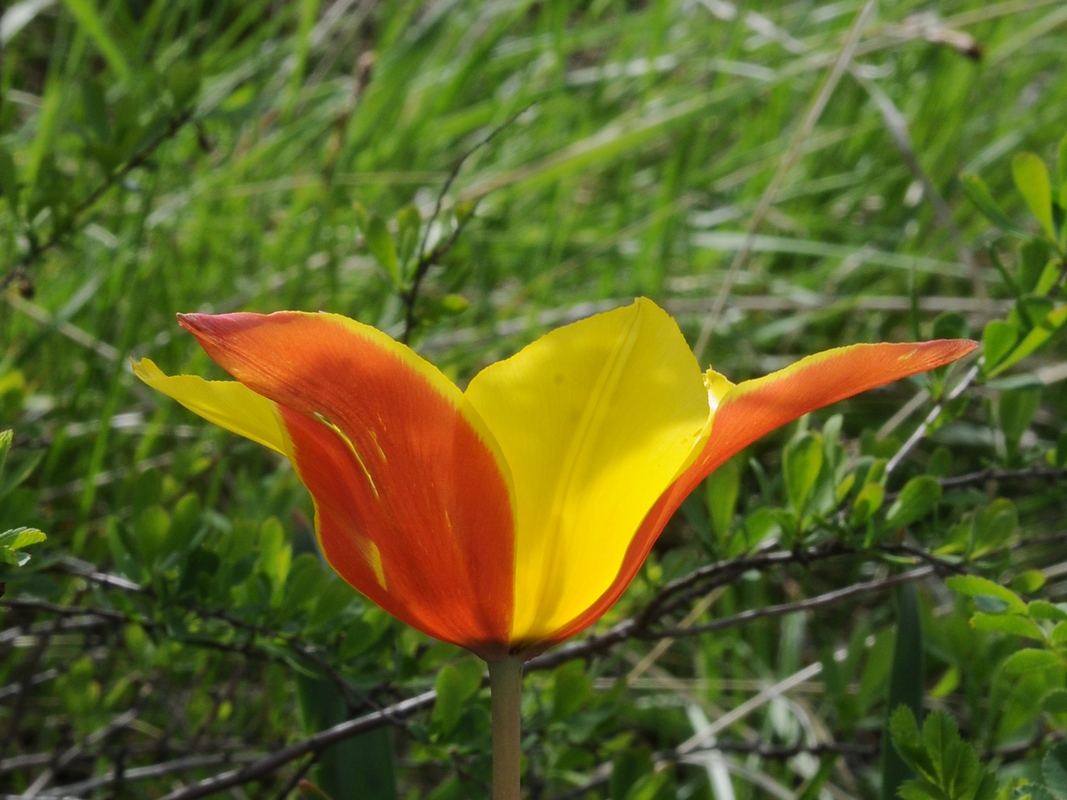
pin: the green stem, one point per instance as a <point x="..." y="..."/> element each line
<point x="505" y="685"/>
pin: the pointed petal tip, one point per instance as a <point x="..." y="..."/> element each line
<point x="145" y="369"/>
<point x="197" y="323"/>
<point x="953" y="348"/>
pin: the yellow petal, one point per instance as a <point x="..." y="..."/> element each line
<point x="596" y="420"/>
<point x="228" y="404"/>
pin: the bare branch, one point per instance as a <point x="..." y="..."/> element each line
<point x="829" y="598"/>
<point x="313" y="744"/>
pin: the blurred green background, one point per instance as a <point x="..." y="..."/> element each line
<point x="782" y="177"/>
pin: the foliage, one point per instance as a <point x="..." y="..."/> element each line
<point x="466" y="175"/>
<point x="15" y="540"/>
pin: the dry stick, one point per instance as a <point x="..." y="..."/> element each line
<point x="991" y="475"/>
<point x="819" y="601"/>
<point x="663" y="645"/>
<point x="160" y="770"/>
<point x="118" y="723"/>
<point x="918" y="434"/>
<point x="771" y="192"/>
<point x="781" y="753"/>
<point x="313" y="744"/>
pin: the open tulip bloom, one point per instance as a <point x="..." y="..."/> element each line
<point x="510" y="516"/>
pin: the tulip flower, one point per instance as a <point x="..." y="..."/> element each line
<point x="509" y="516"/>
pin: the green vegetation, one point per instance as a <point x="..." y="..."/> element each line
<point x="783" y="178"/>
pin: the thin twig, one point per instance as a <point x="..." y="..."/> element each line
<point x="935" y="412"/>
<point x="808" y="604"/>
<point x="312" y="744"/>
<point x="60" y="234"/>
<point x="777" y="752"/>
<point x="425" y="260"/>
<point x="993" y="475"/>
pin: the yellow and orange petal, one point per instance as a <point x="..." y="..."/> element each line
<point x="749" y="410"/>
<point x="413" y="500"/>
<point x="512" y="516"/>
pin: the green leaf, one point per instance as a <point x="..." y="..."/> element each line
<point x="452" y="304"/>
<point x="1061" y="161"/>
<point x="908" y="742"/>
<point x="409" y="225"/>
<point x="1029" y="311"/>
<point x="183" y="81"/>
<point x="1042" y="609"/>
<point x="95" y="106"/>
<point x="6" y="437"/>
<point x="1028" y="581"/>
<point x="1028" y="660"/>
<point x="381" y="245"/>
<point x="1005" y="273"/>
<point x="572" y="689"/>
<point x="1058" y="457"/>
<point x="650" y="786"/>
<point x="906" y="683"/>
<point x="1034" y="257"/>
<point x="334" y="599"/>
<point x="951" y="325"/>
<point x="456" y="684"/>
<point x="151" y="532"/>
<point x="1017" y="411"/>
<point x="1055" y="702"/>
<point x="941" y="738"/>
<point x="1059" y="634"/>
<point x="1054" y="770"/>
<point x="994" y="526"/>
<point x="21" y="474"/>
<point x="275" y="553"/>
<point x="844" y="488"/>
<point x="975" y="586"/>
<point x="1007" y="623"/>
<point x="359" y="768"/>
<point x="975" y="188"/>
<point x="14" y="540"/>
<point x="198" y="571"/>
<point x="722" y="488"/>
<point x="802" y="462"/>
<point x="868" y="501"/>
<point x="1044" y="331"/>
<point x="17" y="538"/>
<point x="918" y="498"/>
<point x="85" y="12"/>
<point x="998" y="339"/>
<point x="1032" y="181"/>
<point x="630" y="766"/>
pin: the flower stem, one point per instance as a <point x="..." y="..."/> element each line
<point x="505" y="685"/>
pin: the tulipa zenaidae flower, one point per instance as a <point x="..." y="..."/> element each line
<point x="510" y="516"/>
